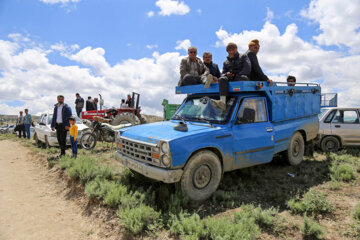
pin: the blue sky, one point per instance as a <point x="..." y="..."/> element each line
<point x="114" y="46"/>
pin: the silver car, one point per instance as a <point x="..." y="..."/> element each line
<point x="45" y="136"/>
<point x="339" y="127"/>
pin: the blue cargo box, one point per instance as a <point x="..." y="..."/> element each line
<point x="286" y="102"/>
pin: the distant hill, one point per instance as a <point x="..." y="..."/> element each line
<point x="12" y="119"/>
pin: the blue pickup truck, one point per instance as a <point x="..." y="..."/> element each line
<point x="259" y="121"/>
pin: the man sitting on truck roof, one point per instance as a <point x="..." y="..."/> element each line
<point x="236" y="67"/>
<point x="213" y="67"/>
<point x="193" y="71"/>
<point x="256" y="71"/>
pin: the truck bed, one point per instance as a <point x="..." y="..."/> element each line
<point x="287" y="102"/>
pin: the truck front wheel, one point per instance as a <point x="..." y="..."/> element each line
<point x="295" y="152"/>
<point x="202" y="176"/>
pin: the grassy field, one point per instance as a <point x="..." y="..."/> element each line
<point x="319" y="199"/>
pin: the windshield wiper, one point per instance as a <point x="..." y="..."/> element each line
<point x="179" y="117"/>
<point x="203" y="120"/>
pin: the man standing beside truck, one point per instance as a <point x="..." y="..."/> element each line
<point x="236" y="67"/>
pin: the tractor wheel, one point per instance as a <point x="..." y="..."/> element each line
<point x="143" y="119"/>
<point x="124" y="118"/>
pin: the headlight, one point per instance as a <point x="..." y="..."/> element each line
<point x="165" y="160"/>
<point x="165" y="147"/>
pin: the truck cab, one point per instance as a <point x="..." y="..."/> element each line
<point x="201" y="142"/>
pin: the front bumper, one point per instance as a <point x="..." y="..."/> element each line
<point x="160" y="174"/>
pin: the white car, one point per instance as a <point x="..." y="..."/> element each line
<point x="339" y="127"/>
<point x="44" y="135"/>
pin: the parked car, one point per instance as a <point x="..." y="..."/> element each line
<point x="339" y="127"/>
<point x="45" y="136"/>
<point x="7" y="129"/>
<point x="201" y="142"/>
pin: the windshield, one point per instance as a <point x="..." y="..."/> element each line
<point x="322" y="112"/>
<point x="200" y="109"/>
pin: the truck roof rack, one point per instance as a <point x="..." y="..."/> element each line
<point x="287" y="102"/>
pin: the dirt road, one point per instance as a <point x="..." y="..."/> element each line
<point x="31" y="207"/>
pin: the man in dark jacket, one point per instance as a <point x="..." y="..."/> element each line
<point x="90" y="104"/>
<point x="236" y="67"/>
<point x="79" y="104"/>
<point x="60" y="122"/>
<point x="213" y="67"/>
<point x="256" y="71"/>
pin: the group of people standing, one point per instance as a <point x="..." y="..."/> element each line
<point x="236" y="67"/>
<point x="23" y="124"/>
<point x="90" y="105"/>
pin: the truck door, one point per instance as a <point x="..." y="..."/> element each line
<point x="346" y="125"/>
<point x="253" y="134"/>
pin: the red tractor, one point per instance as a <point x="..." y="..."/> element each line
<point x="119" y="115"/>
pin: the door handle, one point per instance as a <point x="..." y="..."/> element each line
<point x="269" y="129"/>
<point x="337" y="126"/>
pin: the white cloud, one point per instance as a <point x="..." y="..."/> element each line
<point x="59" y="1"/>
<point x="269" y="15"/>
<point x="28" y="76"/>
<point x="338" y="20"/>
<point x="152" y="46"/>
<point x="170" y="7"/>
<point x="183" y="44"/>
<point x="150" y="14"/>
<point x="199" y="11"/>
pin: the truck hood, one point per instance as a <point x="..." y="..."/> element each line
<point x="154" y="132"/>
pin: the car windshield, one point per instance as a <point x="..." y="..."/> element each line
<point x="200" y="109"/>
<point x="77" y="119"/>
<point x="322" y="112"/>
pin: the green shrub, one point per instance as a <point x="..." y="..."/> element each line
<point x="342" y="172"/>
<point x="356" y="213"/>
<point x="98" y="188"/>
<point x="313" y="202"/>
<point x="66" y="162"/>
<point x="242" y="228"/>
<point x="139" y="218"/>
<point x="311" y="229"/>
<point x="265" y="218"/>
<point x="115" y="194"/>
<point x="186" y="225"/>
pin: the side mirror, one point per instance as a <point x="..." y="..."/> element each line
<point x="248" y="116"/>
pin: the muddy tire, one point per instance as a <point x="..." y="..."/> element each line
<point x="202" y="176"/>
<point x="88" y="141"/>
<point x="143" y="119"/>
<point x="124" y="118"/>
<point x="37" y="141"/>
<point x="330" y="144"/>
<point x="295" y="153"/>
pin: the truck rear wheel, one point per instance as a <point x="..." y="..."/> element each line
<point x="202" y="176"/>
<point x="124" y="118"/>
<point x="330" y="144"/>
<point x="295" y="153"/>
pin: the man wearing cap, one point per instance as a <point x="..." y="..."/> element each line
<point x="193" y="71"/>
<point x="79" y="104"/>
<point x="60" y="122"/>
<point x="256" y="71"/>
<point x="236" y="67"/>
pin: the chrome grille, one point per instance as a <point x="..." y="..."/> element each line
<point x="140" y="151"/>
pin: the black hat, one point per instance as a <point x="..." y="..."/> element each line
<point x="71" y="118"/>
